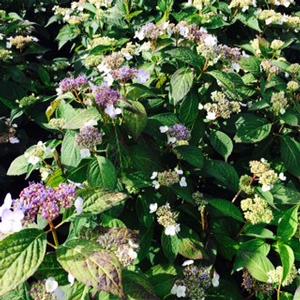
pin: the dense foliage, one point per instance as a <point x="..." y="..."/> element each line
<point x="150" y="149"/>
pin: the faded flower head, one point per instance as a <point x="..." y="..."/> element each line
<point x="106" y="96"/>
<point x="256" y="210"/>
<point x="20" y="41"/>
<point x="38" y="292"/>
<point x="279" y="103"/>
<point x="168" y="219"/>
<point x="177" y="134"/>
<point x="89" y="137"/>
<point x="70" y="84"/>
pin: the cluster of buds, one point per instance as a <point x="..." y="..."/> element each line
<point x="107" y="99"/>
<point x="125" y="74"/>
<point x="256" y="287"/>
<point x="285" y="3"/>
<point x="256" y="210"/>
<point x="168" y="178"/>
<point x="270" y="16"/>
<point x="57" y="123"/>
<point x="199" y="200"/>
<point x="37" y="153"/>
<point x="246" y="184"/>
<point x="28" y="101"/>
<point x="8" y="135"/>
<point x="221" y="107"/>
<point x="123" y="242"/>
<point x="70" y="84"/>
<point x="20" y="41"/>
<point x="199" y="4"/>
<point x="276" y="45"/>
<point x="275" y="276"/>
<point x="270" y="69"/>
<point x="266" y="176"/>
<point x="88" y="138"/>
<point x="243" y="5"/>
<point x="47" y="290"/>
<point x="37" y="198"/>
<point x="168" y="219"/>
<point x="195" y="282"/>
<point x="5" y="55"/>
<point x="293" y="86"/>
<point x="177" y="134"/>
<point x="279" y="103"/>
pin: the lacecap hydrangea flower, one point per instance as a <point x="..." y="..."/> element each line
<point x="168" y="219"/>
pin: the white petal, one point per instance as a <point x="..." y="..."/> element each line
<point x="171" y="230"/>
<point x="51" y="285"/>
<point x="154" y="175"/>
<point x="156" y="184"/>
<point x="171" y="140"/>
<point x="71" y="279"/>
<point x="181" y="291"/>
<point x="33" y="160"/>
<point x="215" y="280"/>
<point x="79" y="205"/>
<point x="178" y="171"/>
<point x="163" y="129"/>
<point x="6" y="204"/>
<point x="14" y="140"/>
<point x="266" y="188"/>
<point x="59" y="294"/>
<point x="211" y="116"/>
<point x="282" y="176"/>
<point x="132" y="254"/>
<point x="183" y="182"/>
<point x="85" y="153"/>
<point x="112" y="111"/>
<point x="200" y="106"/>
<point x="187" y="262"/>
<point x="153" y="207"/>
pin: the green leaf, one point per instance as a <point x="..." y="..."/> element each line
<point x="181" y="83"/>
<point x="70" y="153"/>
<point x="98" y="201"/>
<point x="251" y="64"/>
<point x="170" y="246"/>
<point x="188" y="110"/>
<point x="77" y="291"/>
<point x="102" y="173"/>
<point x="187" y="56"/>
<point x="18" y="167"/>
<point x="19" y="293"/>
<point x="251" y="129"/>
<point x="297" y="294"/>
<point x="285" y="194"/>
<point x="192" y="155"/>
<point x="21" y="254"/>
<point x="66" y="34"/>
<point x="288" y="224"/>
<point x="226" y="209"/>
<point x="221" y="142"/>
<point x="224" y="173"/>
<point x="290" y="154"/>
<point x="258" y="231"/>
<point x="80" y="117"/>
<point x="92" y="265"/>
<point x="287" y="259"/>
<point x="135" y="119"/>
<point x="249" y="20"/>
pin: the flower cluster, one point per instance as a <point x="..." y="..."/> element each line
<point x="270" y="69"/>
<point x="221" y="107"/>
<point x="168" y="178"/>
<point x="256" y="287"/>
<point x="285" y="3"/>
<point x="125" y="74"/>
<point x="88" y="138"/>
<point x="279" y="103"/>
<point x="262" y="171"/>
<point x="20" y="41"/>
<point x="5" y="55"/>
<point x="246" y="184"/>
<point x="275" y="276"/>
<point x="177" y="134"/>
<point x="28" y="101"/>
<point x="168" y="219"/>
<point x="123" y="242"/>
<point x="47" y="290"/>
<point x="256" y="210"/>
<point x="107" y="99"/>
<point x="199" y="200"/>
<point x="37" y="198"/>
<point x="37" y="153"/>
<point x="9" y="135"/>
<point x="244" y="5"/>
<point x="196" y="281"/>
<point x="70" y="84"/>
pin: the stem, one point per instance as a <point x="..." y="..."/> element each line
<point x="236" y="196"/>
<point x="118" y="146"/>
<point x="54" y="234"/>
<point x="278" y="291"/>
<point x="50" y="244"/>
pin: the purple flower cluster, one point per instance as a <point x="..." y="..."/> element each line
<point x="37" y="198"/>
<point x="125" y="74"/>
<point x="89" y="137"/>
<point x="179" y="132"/>
<point x="70" y="84"/>
<point x="229" y="53"/>
<point x="106" y="96"/>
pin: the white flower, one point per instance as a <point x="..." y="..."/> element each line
<point x="179" y="290"/>
<point x="145" y="47"/>
<point x="11" y="221"/>
<point x="85" y="153"/>
<point x="215" y="280"/>
<point x="51" y="285"/>
<point x="112" y="111"/>
<point x="154" y="175"/>
<point x="132" y="254"/>
<point x="210" y="41"/>
<point x="178" y="171"/>
<point x="211" y="116"/>
<point x="14" y="140"/>
<point x="156" y="184"/>
<point x="171" y="140"/>
<point x="187" y="262"/>
<point x="153" y="207"/>
<point x="263" y="160"/>
<point x="108" y="79"/>
<point x="163" y="129"/>
<point x="140" y="34"/>
<point x="71" y="279"/>
<point x="266" y="188"/>
<point x="172" y="229"/>
<point x="200" y="106"/>
<point x="142" y="76"/>
<point x="44" y="173"/>
<point x="6" y="204"/>
<point x="183" y="182"/>
<point x="79" y="205"/>
<point x="32" y="159"/>
<point x="282" y="177"/>
<point x="236" y="67"/>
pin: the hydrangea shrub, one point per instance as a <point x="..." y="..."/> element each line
<point x="159" y="149"/>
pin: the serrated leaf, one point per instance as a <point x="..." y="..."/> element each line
<point x="19" y="166"/>
<point x="21" y="254"/>
<point x="70" y="153"/>
<point x="288" y="224"/>
<point x="251" y="129"/>
<point x="169" y="246"/>
<point x="181" y="83"/>
<point x="221" y="142"/>
<point x="188" y="110"/>
<point x="287" y="259"/>
<point x="92" y="265"/>
<point x="187" y="56"/>
<point x="290" y="154"/>
<point x="102" y="173"/>
<point x="192" y="155"/>
<point x="226" y="208"/>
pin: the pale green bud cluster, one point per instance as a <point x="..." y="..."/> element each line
<point x="294" y="68"/>
<point x="285" y="3"/>
<point x="258" y="167"/>
<point x="242" y="4"/>
<point x="268" y="179"/>
<point x="256" y="210"/>
<point x="5" y="55"/>
<point x="269" y="68"/>
<point x="279" y="103"/>
<point x="275" y="276"/>
<point x="200" y="4"/>
<point x="166" y="217"/>
<point x="38" y="292"/>
<point x="246" y="184"/>
<point x="168" y="178"/>
<point x="28" y="101"/>
<point x="292" y="85"/>
<point x="92" y="60"/>
<point x="20" y="41"/>
<point x="57" y="123"/>
<point x="277" y="44"/>
<point x="199" y="200"/>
